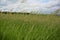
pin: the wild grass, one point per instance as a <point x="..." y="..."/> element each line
<point x="29" y="27"/>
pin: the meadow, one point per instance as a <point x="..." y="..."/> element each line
<point x="29" y="27"/>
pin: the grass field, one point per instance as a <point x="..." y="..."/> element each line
<point x="29" y="27"/>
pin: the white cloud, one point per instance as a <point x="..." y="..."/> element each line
<point x="32" y="5"/>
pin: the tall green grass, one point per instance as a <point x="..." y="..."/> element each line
<point x="29" y="27"/>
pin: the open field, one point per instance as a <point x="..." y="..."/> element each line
<point x="29" y="27"/>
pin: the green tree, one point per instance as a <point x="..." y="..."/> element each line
<point x="57" y="12"/>
<point x="23" y="1"/>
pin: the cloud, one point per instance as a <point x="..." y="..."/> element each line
<point x="28" y="6"/>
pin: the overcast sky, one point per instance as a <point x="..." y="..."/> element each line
<point x="29" y="5"/>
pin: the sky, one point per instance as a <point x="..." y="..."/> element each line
<point x="44" y="6"/>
